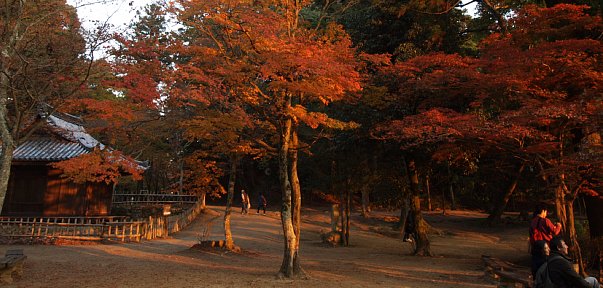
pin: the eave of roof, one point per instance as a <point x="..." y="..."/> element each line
<point x="48" y="150"/>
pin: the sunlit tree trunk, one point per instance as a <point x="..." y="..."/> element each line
<point x="296" y="190"/>
<point x="290" y="267"/>
<point x="421" y="227"/>
<point x="202" y="199"/>
<point x="229" y="198"/>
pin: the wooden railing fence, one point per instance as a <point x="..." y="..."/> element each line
<point x="117" y="228"/>
<point x="151" y="197"/>
<point x="163" y="226"/>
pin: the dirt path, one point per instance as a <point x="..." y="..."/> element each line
<point x="372" y="259"/>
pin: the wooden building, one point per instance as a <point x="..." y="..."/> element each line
<point x="37" y="189"/>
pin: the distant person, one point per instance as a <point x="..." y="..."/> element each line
<point x="262" y="203"/>
<point x="245" y="204"/>
<point x="542" y="228"/>
<point x="540" y="252"/>
<point x="560" y="269"/>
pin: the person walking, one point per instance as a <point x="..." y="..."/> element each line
<point x="244" y="202"/>
<point x="262" y="203"/>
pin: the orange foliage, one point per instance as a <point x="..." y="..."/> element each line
<point x="100" y="165"/>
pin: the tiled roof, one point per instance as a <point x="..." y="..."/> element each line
<point x="48" y="150"/>
<point x="72" y="141"/>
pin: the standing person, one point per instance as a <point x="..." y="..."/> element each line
<point x="542" y="228"/>
<point x="560" y="269"/>
<point x="262" y="203"/>
<point x="244" y="202"/>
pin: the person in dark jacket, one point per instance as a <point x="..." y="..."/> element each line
<point x="540" y="251"/>
<point x="262" y="203"/>
<point x="561" y="272"/>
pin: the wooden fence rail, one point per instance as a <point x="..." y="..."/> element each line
<point x="117" y="228"/>
<point x="158" y="227"/>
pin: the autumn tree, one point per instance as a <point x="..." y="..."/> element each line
<point x="274" y="71"/>
<point x="511" y="100"/>
<point x="42" y="63"/>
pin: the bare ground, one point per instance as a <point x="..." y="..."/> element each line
<point x="374" y="258"/>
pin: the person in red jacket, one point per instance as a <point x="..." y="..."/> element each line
<point x="542" y="228"/>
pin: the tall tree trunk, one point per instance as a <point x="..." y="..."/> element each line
<point x="403" y="214"/>
<point x="297" y="198"/>
<point x="573" y="237"/>
<point x="342" y="204"/>
<point x="202" y="199"/>
<point x="421" y="227"/>
<point x="231" y="189"/>
<point x="443" y="201"/>
<point x="348" y="208"/>
<point x="428" y="190"/>
<point x="181" y="178"/>
<point x="500" y="208"/>
<point x="451" y="189"/>
<point x="365" y="201"/>
<point x="8" y="142"/>
<point x="290" y="267"/>
<point x="560" y="206"/>
<point x="599" y="241"/>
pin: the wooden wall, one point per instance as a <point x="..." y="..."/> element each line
<point x="39" y="190"/>
<point x="26" y="189"/>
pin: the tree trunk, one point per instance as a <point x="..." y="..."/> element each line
<point x="428" y="190"/>
<point x="296" y="190"/>
<point x="600" y="249"/>
<point x="342" y="204"/>
<point x="181" y="179"/>
<point x="202" y="199"/>
<point x="11" y="15"/>
<point x="443" y="201"/>
<point x="348" y="208"/>
<point x="500" y="208"/>
<point x="403" y="215"/>
<point x="231" y="189"/>
<point x="421" y="227"/>
<point x="573" y="237"/>
<point x="366" y="203"/>
<point x="451" y="189"/>
<point x="8" y="144"/>
<point x="560" y="206"/>
<point x="290" y="267"/>
<point x="335" y="218"/>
